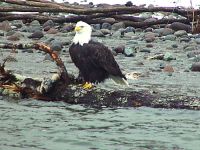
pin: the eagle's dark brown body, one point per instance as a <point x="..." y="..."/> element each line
<point x="94" y="61"/>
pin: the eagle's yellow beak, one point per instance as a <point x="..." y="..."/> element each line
<point x="77" y="28"/>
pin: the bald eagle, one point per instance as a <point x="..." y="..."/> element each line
<point x="94" y="60"/>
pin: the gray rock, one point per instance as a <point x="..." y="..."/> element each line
<point x="36" y="35"/>
<point x="149" y="45"/>
<point x="34" y="26"/>
<point x="56" y="45"/>
<point x="174" y="46"/>
<point x="132" y="42"/>
<point x="17" y="23"/>
<point x="168" y="56"/>
<point x="149" y="29"/>
<point x="162" y="65"/>
<point x="138" y="30"/>
<point x="180" y="26"/>
<point x="145" y="50"/>
<point x="106" y="31"/>
<point x="196" y="58"/>
<point x="98" y="33"/>
<point x="185" y="39"/>
<point x="117" y="34"/>
<point x="190" y="48"/>
<point x="129" y="29"/>
<point x="9" y="33"/>
<point x="5" y="26"/>
<point x="167" y="31"/>
<point x="170" y="37"/>
<point x="129" y="35"/>
<point x="180" y="33"/>
<point x="106" y="26"/>
<point x="197" y="40"/>
<point x="195" y="67"/>
<point x="1" y="33"/>
<point x="118" y="25"/>
<point x="119" y="49"/>
<point x="193" y="53"/>
<point x="129" y="52"/>
<point x="149" y="37"/>
<point x="67" y="28"/>
<point x="49" y="23"/>
<point x="96" y="26"/>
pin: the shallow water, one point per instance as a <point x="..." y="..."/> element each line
<point x="36" y="125"/>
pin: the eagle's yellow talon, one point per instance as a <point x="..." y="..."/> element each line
<point x="87" y="86"/>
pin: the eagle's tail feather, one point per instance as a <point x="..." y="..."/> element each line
<point x="119" y="80"/>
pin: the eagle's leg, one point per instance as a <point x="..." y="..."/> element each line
<point x="87" y="85"/>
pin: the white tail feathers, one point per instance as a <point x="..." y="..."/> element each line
<point x="119" y="80"/>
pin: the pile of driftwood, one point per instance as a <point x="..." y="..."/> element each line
<point x="91" y="14"/>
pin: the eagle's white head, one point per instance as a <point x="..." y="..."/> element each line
<point x="83" y="33"/>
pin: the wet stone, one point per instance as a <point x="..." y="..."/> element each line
<point x="36" y="35"/>
<point x="119" y="49"/>
<point x="34" y="26"/>
<point x="197" y="40"/>
<point x="129" y="29"/>
<point x="195" y="67"/>
<point x="132" y="42"/>
<point x="5" y="26"/>
<point x="180" y="26"/>
<point x="129" y="52"/>
<point x="174" y="45"/>
<point x="117" y="26"/>
<point x="67" y="28"/>
<point x="56" y="45"/>
<point x="106" y="26"/>
<point x="162" y="65"/>
<point x="190" y="48"/>
<point x="185" y="39"/>
<point x="145" y="50"/>
<point x="180" y="33"/>
<point x="52" y="31"/>
<point x="96" y="26"/>
<point x="48" y="23"/>
<point x="17" y="23"/>
<point x="149" y="29"/>
<point x="170" y="37"/>
<point x="1" y="33"/>
<point x="149" y="45"/>
<point x="105" y="31"/>
<point x="169" y="56"/>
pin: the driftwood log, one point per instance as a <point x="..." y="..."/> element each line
<point x="65" y="87"/>
<point x="93" y="15"/>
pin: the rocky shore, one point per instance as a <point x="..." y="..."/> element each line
<point x="160" y="59"/>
